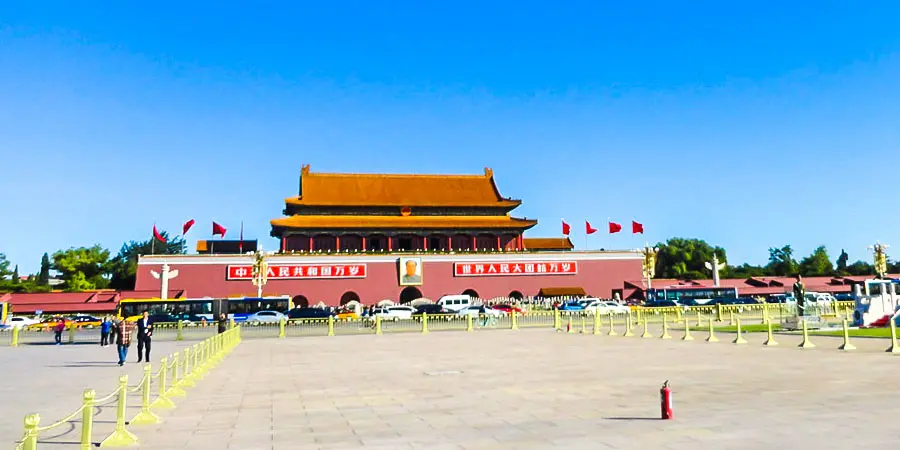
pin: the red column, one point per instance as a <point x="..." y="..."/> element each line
<point x="283" y="244"/>
<point x="474" y="242"/>
<point x="363" y="243"/>
<point x="311" y="243"/>
<point x="425" y="243"/>
<point x="521" y="242"/>
<point x="337" y="243"/>
<point x="498" y="242"/>
<point x="390" y="242"/>
<point x="450" y="242"/>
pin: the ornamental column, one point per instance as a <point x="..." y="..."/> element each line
<point x="363" y="243"/>
<point x="311" y="243"/>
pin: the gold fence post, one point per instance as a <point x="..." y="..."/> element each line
<point x="424" y="323"/>
<point x="514" y="318"/>
<point x="87" y="419"/>
<point x="731" y="317"/>
<point x="712" y="331"/>
<point x="378" y="325"/>
<point x="331" y="325"/>
<point x="469" y="322"/>
<point x="71" y="333"/>
<point x="718" y="312"/>
<point x="628" y="325"/>
<point x="145" y="417"/>
<point x="281" y="328"/>
<point x="199" y="368"/>
<point x="596" y="322"/>
<point x="665" y="333"/>
<point x="178" y="331"/>
<point x="687" y="329"/>
<point x="121" y="437"/>
<point x="174" y="389"/>
<point x="29" y="442"/>
<point x="739" y="339"/>
<point x="231" y="322"/>
<point x="612" y="326"/>
<point x="770" y="337"/>
<point x="699" y="318"/>
<point x="646" y="334"/>
<point x="15" y="337"/>
<point x="583" y="323"/>
<point x="806" y="342"/>
<point x="557" y="325"/>
<point x="162" y="399"/>
<point x="893" y="348"/>
<point x="847" y="346"/>
<point x="187" y="379"/>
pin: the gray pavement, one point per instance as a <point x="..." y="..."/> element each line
<point x="49" y="380"/>
<point x="537" y="389"/>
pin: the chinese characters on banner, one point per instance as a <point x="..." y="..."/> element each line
<point x="300" y="271"/>
<point x="527" y="268"/>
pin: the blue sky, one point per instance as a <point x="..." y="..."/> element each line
<point x="748" y="124"/>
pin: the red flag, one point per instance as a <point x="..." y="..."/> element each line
<point x="158" y="236"/>
<point x="566" y="228"/>
<point x="218" y="229"/>
<point x="637" y="228"/>
<point x="588" y="228"/>
<point x="187" y="226"/>
<point x="614" y="228"/>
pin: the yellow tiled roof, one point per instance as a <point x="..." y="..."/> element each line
<point x="401" y="222"/>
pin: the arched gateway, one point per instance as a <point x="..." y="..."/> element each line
<point x="409" y="294"/>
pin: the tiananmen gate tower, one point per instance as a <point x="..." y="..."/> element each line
<point x="371" y="237"/>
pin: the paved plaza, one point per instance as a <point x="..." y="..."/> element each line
<point x="504" y="389"/>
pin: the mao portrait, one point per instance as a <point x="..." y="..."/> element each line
<point x="410" y="271"/>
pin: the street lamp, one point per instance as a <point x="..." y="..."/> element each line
<point x="260" y="274"/>
<point x="648" y="267"/>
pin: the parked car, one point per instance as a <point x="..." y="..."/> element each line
<point x="265" y="316"/>
<point x="845" y="297"/>
<point x="19" y="321"/>
<point x="478" y="310"/>
<point x="604" y="307"/>
<point x="85" y="321"/>
<point x="506" y="308"/>
<point x="49" y="323"/>
<point x="309" y="313"/>
<point x="394" y="312"/>
<point x="571" y="306"/>
<point x="431" y="310"/>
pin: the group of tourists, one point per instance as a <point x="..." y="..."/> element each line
<point x="121" y="332"/>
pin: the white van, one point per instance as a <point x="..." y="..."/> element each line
<point x="455" y="303"/>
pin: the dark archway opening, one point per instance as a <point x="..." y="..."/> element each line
<point x="349" y="297"/>
<point x="409" y="294"/>
<point x="471" y="293"/>
<point x="516" y="295"/>
<point x="300" y="301"/>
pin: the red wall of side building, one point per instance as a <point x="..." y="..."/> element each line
<point x="599" y="273"/>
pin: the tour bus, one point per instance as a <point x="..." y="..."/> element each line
<point x="197" y="309"/>
<point x="689" y="295"/>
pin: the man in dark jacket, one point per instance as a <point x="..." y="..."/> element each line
<point x="144" y="333"/>
<point x="223" y="322"/>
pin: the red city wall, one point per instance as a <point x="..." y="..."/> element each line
<point x="598" y="277"/>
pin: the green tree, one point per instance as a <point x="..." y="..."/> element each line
<point x="842" y="262"/>
<point x="15" y="275"/>
<point x="4" y="268"/>
<point x="124" y="266"/>
<point x="745" y="271"/>
<point x="685" y="258"/>
<point x="781" y="261"/>
<point x="83" y="268"/>
<point x="860" y="268"/>
<point x="44" y="275"/>
<point x="817" y="264"/>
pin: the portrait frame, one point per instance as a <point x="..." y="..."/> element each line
<point x="402" y="277"/>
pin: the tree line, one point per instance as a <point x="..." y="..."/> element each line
<point x="685" y="259"/>
<point x="88" y="268"/>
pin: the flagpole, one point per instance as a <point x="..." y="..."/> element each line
<point x="153" y="241"/>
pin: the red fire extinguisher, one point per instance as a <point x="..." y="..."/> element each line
<point x="665" y="402"/>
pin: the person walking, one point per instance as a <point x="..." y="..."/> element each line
<point x="124" y="330"/>
<point x="58" y="330"/>
<point x="223" y="322"/>
<point x="144" y="334"/>
<point x="105" y="326"/>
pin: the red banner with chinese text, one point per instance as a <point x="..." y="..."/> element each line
<point x="299" y="271"/>
<point x="479" y="269"/>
